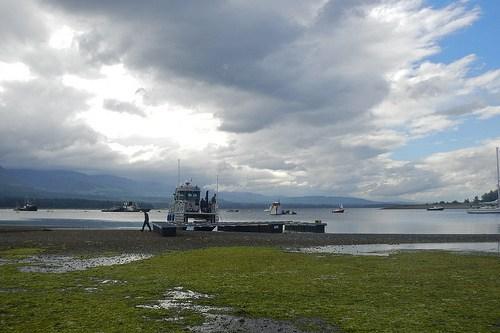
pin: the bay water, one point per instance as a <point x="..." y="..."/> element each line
<point x="354" y="220"/>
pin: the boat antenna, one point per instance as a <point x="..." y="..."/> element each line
<point x="498" y="182"/>
<point x="178" y="172"/>
<point x="217" y="190"/>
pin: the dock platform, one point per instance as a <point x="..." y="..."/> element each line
<point x="169" y="229"/>
<point x="165" y="229"/>
<point x="317" y="227"/>
<point x="267" y="227"/>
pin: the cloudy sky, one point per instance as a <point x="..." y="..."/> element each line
<point x="376" y="99"/>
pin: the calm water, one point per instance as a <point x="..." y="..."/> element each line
<point x="354" y="220"/>
<point x="387" y="249"/>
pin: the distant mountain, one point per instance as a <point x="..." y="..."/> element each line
<point x="62" y="184"/>
<point x="229" y="199"/>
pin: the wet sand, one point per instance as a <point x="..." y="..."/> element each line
<point x="81" y="242"/>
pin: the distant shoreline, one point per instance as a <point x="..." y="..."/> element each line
<point x="425" y="206"/>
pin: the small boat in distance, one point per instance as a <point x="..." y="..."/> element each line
<point x="27" y="207"/>
<point x="339" y="210"/>
<point x="127" y="206"/>
<point x="433" y="208"/>
<point x="490" y="209"/>
<point x="274" y="209"/>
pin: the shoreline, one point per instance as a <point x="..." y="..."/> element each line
<point x="70" y="241"/>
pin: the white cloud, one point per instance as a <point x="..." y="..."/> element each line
<point x="488" y="112"/>
<point x="15" y="72"/>
<point x="62" y="38"/>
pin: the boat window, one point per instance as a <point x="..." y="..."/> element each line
<point x="193" y="196"/>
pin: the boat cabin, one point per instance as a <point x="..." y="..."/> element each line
<point x="188" y="204"/>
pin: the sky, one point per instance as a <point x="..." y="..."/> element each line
<point x="379" y="99"/>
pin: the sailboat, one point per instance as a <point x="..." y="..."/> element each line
<point x="490" y="209"/>
<point x="339" y="210"/>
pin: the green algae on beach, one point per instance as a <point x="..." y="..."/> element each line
<point x="407" y="292"/>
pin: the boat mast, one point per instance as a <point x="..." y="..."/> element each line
<point x="498" y="182"/>
<point x="178" y="172"/>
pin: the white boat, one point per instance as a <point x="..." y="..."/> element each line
<point x="490" y="209"/>
<point x="484" y="210"/>
<point x="433" y="208"/>
<point x="127" y="207"/>
<point x="274" y="209"/>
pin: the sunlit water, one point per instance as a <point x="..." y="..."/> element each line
<point x="355" y="220"/>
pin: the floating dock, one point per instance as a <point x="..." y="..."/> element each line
<point x="165" y="229"/>
<point x="317" y="227"/>
<point x="267" y="227"/>
<point x="275" y="227"/>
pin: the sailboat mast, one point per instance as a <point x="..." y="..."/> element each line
<point x="498" y="182"/>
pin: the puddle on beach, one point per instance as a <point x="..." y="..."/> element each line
<point x="63" y="264"/>
<point x="181" y="299"/>
<point x="12" y="290"/>
<point x="218" y="319"/>
<point x="387" y="249"/>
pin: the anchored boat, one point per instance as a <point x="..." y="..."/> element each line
<point x="339" y="210"/>
<point x="275" y="209"/>
<point x="435" y="208"/>
<point x="27" y="207"/>
<point x="188" y="206"/>
<point x="127" y="206"/>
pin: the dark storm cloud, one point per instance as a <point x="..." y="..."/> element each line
<point x="273" y="65"/>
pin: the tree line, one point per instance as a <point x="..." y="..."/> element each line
<point x="486" y="197"/>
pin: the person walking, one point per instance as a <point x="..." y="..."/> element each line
<point x="146" y="220"/>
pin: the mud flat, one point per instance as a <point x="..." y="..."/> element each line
<point x="134" y="241"/>
<point x="75" y="281"/>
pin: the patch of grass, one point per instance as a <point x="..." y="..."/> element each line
<point x="20" y="253"/>
<point x="408" y="292"/>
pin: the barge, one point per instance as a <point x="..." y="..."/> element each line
<point x="190" y="212"/>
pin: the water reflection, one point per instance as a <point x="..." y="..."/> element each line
<point x="386" y="249"/>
